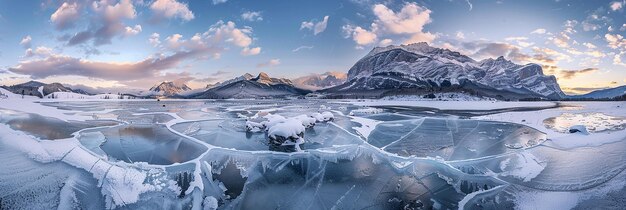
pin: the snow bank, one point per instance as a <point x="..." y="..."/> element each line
<point x="455" y="105"/>
<point x="439" y="97"/>
<point x="72" y="95"/>
<point x="365" y="111"/>
<point x="5" y="94"/>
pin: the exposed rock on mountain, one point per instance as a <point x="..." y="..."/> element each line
<point x="247" y="86"/>
<point x="420" y="69"/>
<point x="39" y="89"/>
<point x="320" y="81"/>
<point x="168" y="89"/>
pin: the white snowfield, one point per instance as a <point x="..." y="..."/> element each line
<point x="453" y="105"/>
<point x="68" y="96"/>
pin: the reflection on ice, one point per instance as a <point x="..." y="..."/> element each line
<point x="46" y="127"/>
<point x="153" y="144"/>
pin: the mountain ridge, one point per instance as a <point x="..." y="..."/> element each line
<point x="419" y="68"/>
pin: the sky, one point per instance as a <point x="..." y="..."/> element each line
<point x="134" y="44"/>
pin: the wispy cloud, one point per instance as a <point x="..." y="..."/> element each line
<point x="270" y="63"/>
<point x="302" y="48"/>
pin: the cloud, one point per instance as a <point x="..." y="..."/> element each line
<point x="65" y="16"/>
<point x="561" y="40"/>
<point x="408" y="23"/>
<point x="252" y="16"/>
<point x="617" y="59"/>
<point x="60" y="65"/>
<point x="216" y="2"/>
<point x="133" y="31"/>
<point x="108" y="24"/>
<point x="220" y="73"/>
<point x="615" y="41"/>
<point x="269" y="63"/>
<point x="539" y="31"/>
<point x="484" y="49"/>
<point x="317" y="28"/>
<point x="171" y="9"/>
<point x="359" y="35"/>
<point x="177" y="49"/>
<point x="174" y="42"/>
<point x="154" y="39"/>
<point x="302" y="48"/>
<point x="581" y="90"/>
<point x="589" y="45"/>
<point x="520" y="40"/>
<point x="230" y="33"/>
<point x="596" y="20"/>
<point x="460" y="35"/>
<point x="385" y="42"/>
<point x="470" y="5"/>
<point x="623" y="28"/>
<point x="39" y="51"/>
<point x="250" y="51"/>
<point x="26" y="41"/>
<point x="215" y="39"/>
<point x="569" y="74"/>
<point x="616" y="5"/>
<point x="217" y="35"/>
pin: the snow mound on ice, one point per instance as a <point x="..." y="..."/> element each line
<point x="291" y="128"/>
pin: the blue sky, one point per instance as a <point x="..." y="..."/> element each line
<point x="135" y="44"/>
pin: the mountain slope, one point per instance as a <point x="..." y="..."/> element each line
<point x="419" y="68"/>
<point x="167" y="89"/>
<point x="39" y="89"/>
<point x="320" y="81"/>
<point x="262" y="86"/>
<point x="602" y="94"/>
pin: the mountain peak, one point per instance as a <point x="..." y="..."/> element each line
<point x="169" y="88"/>
<point x="33" y="83"/>
<point x="263" y="75"/>
<point x="421" y="66"/>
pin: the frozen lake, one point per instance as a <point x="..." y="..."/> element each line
<point x="311" y="154"/>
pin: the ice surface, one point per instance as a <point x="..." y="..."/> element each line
<point x="177" y="154"/>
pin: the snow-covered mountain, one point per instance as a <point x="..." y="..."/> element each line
<point x="167" y="89"/>
<point x="320" y="81"/>
<point x="40" y="89"/>
<point x="248" y="86"/>
<point x="419" y="68"/>
<point x="608" y="93"/>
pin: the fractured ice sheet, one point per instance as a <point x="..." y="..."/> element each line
<point x="453" y="139"/>
<point x="153" y="144"/>
<point x="198" y="155"/>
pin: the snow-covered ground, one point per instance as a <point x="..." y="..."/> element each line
<point x="453" y="105"/>
<point x="536" y="119"/>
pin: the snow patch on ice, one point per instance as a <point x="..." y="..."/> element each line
<point x="525" y="166"/>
